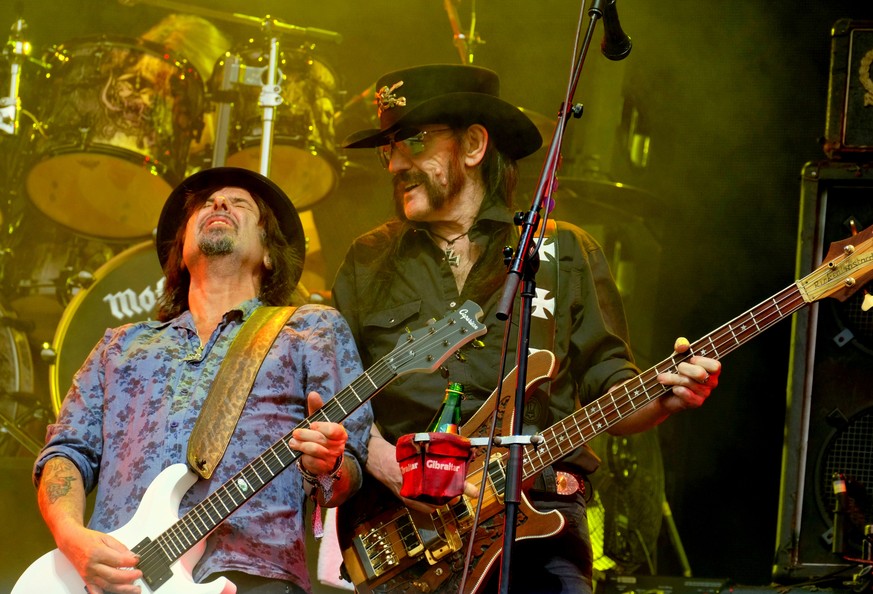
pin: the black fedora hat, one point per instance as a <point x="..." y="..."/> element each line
<point x="448" y="94"/>
<point x="173" y="213"/>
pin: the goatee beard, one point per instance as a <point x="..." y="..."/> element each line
<point x="216" y="246"/>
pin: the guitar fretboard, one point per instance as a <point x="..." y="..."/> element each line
<point x="595" y="418"/>
<point x="422" y="350"/>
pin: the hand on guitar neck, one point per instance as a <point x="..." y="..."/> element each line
<point x="690" y="383"/>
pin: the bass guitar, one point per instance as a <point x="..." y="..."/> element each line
<point x="411" y="552"/>
<point x="169" y="546"/>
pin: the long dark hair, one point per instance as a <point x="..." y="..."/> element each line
<point x="276" y="285"/>
<point x="500" y="177"/>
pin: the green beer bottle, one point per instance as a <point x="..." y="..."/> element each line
<point x="448" y="417"/>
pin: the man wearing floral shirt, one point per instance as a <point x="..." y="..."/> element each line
<point x="229" y="241"/>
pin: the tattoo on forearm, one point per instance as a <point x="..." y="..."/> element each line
<point x="59" y="480"/>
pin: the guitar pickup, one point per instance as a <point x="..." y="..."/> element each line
<point x="445" y="532"/>
<point x="158" y="570"/>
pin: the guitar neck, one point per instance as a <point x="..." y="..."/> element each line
<point x="422" y="350"/>
<point x="200" y="520"/>
<point x="595" y="418"/>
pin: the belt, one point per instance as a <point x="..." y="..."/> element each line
<point x="564" y="482"/>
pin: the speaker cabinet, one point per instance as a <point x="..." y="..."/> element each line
<point x="829" y="420"/>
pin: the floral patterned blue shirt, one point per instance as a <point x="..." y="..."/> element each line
<point x="134" y="402"/>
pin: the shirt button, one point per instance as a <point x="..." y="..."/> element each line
<point x="174" y="424"/>
<point x="453" y="304"/>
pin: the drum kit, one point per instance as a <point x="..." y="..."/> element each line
<point x="94" y="134"/>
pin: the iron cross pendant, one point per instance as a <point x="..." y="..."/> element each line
<point x="452" y="258"/>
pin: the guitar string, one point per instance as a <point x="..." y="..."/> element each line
<point x="172" y="535"/>
<point x="152" y="551"/>
<point x="727" y="341"/>
<point x="789" y="298"/>
<point x="151" y="554"/>
<point x="723" y="341"/>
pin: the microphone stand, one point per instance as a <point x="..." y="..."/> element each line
<point x="523" y="267"/>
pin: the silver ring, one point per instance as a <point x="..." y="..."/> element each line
<point x="706" y="379"/>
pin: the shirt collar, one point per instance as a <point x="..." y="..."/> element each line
<point x="243" y="311"/>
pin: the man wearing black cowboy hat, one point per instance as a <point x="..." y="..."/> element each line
<point x="229" y="241"/>
<point x="451" y="145"/>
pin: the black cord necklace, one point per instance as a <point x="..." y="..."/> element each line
<point x="451" y="257"/>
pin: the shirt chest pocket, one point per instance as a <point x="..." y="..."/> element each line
<point x="391" y="318"/>
<point x="383" y="328"/>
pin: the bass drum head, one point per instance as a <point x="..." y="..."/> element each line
<point x="125" y="290"/>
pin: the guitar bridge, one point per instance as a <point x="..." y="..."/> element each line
<point x="377" y="548"/>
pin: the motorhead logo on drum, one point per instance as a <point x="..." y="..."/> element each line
<point x="129" y="305"/>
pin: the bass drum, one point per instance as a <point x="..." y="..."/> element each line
<point x="116" y="120"/>
<point x="125" y="289"/>
<point x="303" y="159"/>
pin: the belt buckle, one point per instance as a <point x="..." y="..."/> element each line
<point x="567" y="483"/>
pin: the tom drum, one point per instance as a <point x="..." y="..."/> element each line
<point x="303" y="158"/>
<point x="116" y="118"/>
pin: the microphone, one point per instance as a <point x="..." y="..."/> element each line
<point x="616" y="44"/>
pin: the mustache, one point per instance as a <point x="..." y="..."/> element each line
<point x="407" y="178"/>
<point x="217" y="216"/>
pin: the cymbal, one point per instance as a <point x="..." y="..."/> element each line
<point x="583" y="200"/>
<point x="544" y="124"/>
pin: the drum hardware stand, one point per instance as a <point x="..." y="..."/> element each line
<point x="11" y="105"/>
<point x="464" y="43"/>
<point x="270" y="98"/>
<point x="30" y="444"/>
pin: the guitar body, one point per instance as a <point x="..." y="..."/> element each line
<point x="384" y="542"/>
<point x="416" y="553"/>
<point x="54" y="574"/>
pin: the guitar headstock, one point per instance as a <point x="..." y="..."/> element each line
<point x="427" y="348"/>
<point x="847" y="267"/>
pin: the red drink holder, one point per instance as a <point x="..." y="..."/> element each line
<point x="434" y="466"/>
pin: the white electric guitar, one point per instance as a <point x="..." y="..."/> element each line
<point x="169" y="547"/>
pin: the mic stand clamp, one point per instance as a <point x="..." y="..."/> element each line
<point x="535" y="440"/>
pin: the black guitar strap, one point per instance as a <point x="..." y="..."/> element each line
<point x="543" y="323"/>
